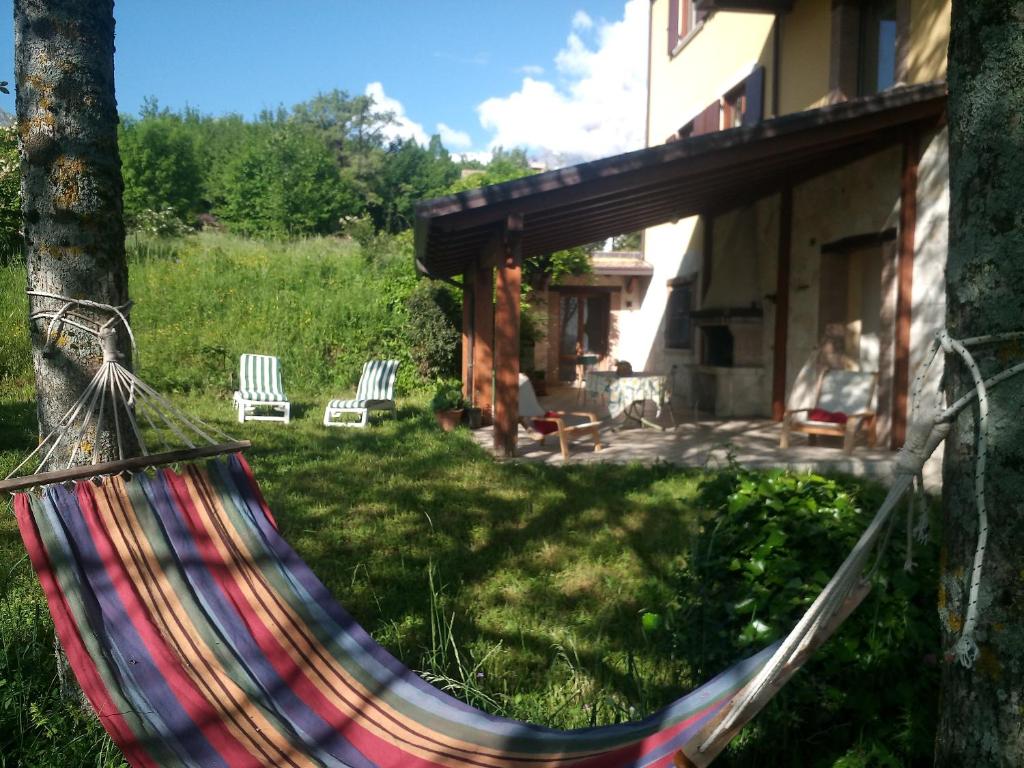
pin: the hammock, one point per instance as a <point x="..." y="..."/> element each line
<point x="201" y="638"/>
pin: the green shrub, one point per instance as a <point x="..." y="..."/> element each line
<point x="434" y="329"/>
<point x="768" y="544"/>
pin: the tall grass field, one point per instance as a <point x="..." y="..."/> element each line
<point x="568" y="596"/>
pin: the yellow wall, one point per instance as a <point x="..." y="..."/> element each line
<point x="929" y="40"/>
<point x="716" y="58"/>
<point x="729" y="44"/>
<point x="804" y="75"/>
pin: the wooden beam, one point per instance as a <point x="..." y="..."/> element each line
<point x="506" y="339"/>
<point x="467" y="334"/>
<point x="904" y="288"/>
<point x="133" y="464"/>
<point x="483" y="337"/>
<point x="782" y="304"/>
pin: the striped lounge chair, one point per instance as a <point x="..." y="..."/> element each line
<point x="259" y="386"/>
<point x="376" y="392"/>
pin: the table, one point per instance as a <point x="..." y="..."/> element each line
<point x="627" y="394"/>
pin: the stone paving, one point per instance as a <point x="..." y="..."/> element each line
<point x="698" y="442"/>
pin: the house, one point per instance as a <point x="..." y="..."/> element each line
<point x="793" y="195"/>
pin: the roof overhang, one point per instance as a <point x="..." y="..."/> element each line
<point x="620" y="264"/>
<point x="752" y="6"/>
<point x="705" y="174"/>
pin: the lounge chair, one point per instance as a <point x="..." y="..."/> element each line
<point x="843" y="407"/>
<point x="376" y="392"/>
<point x="565" y="424"/>
<point x="259" y="386"/>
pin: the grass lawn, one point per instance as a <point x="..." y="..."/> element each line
<point x="540" y="574"/>
<point x="521" y="588"/>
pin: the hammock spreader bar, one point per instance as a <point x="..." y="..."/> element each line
<point x="133" y="464"/>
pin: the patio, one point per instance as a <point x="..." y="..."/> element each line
<point x="701" y="441"/>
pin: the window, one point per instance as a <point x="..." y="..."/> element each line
<point x="734" y="105"/>
<point x="682" y="20"/>
<point x="743" y="105"/>
<point x="877" y="54"/>
<point x="678" y="326"/>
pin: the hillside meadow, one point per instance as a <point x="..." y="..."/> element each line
<point x="572" y="597"/>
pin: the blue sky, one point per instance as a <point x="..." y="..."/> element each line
<point x="562" y="77"/>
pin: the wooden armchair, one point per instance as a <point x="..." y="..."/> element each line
<point x="843" y="408"/>
<point x="565" y="424"/>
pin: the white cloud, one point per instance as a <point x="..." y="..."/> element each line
<point x="403" y="127"/>
<point x="453" y="138"/>
<point x="484" y="156"/>
<point x="582" y="20"/>
<point x="596" y="106"/>
<point x="533" y="70"/>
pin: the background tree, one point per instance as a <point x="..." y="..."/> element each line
<point x="10" y="195"/>
<point x="282" y="182"/>
<point x="71" y="182"/>
<point x="409" y="173"/>
<point x="981" y="707"/>
<point x="160" y="164"/>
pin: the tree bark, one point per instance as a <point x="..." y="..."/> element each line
<point x="981" y="707"/>
<point x="71" y="189"/>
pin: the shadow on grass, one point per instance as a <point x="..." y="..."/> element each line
<point x="531" y="556"/>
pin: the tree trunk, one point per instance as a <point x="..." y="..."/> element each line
<point x="71" y="189"/>
<point x="981" y="708"/>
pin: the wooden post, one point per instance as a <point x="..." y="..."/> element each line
<point x="506" y="339"/>
<point x="905" y="289"/>
<point x="782" y="304"/>
<point x="483" y="336"/>
<point x="468" y="332"/>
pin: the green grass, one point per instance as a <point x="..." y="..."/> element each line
<point x="518" y="587"/>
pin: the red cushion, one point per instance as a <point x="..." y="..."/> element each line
<point x="820" y="414"/>
<point x="544" y="426"/>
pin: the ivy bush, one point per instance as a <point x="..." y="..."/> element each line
<point x="767" y="545"/>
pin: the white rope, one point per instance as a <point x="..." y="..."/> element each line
<point x="114" y="383"/>
<point x="966" y="648"/>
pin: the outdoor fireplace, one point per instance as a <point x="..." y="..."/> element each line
<point x="729" y="377"/>
<point x="716" y="345"/>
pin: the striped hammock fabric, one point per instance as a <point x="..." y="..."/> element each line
<point x="202" y="639"/>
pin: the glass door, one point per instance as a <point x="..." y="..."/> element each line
<point x="584" y="322"/>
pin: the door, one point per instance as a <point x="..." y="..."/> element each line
<point x="583" y="329"/>
<point x="850" y="315"/>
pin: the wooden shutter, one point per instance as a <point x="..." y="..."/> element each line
<point x="754" y="87"/>
<point x="708" y="121"/>
<point x="678" y="328"/>
<point x="673" y="25"/>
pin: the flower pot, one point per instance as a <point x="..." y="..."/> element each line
<point x="448" y="420"/>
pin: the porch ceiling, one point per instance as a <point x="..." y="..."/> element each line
<point x="703" y="174"/>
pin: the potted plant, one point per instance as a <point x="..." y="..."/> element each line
<point x="448" y="404"/>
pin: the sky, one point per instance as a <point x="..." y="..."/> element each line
<point x="564" y="78"/>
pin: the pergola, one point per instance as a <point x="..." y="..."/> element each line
<point x="483" y="235"/>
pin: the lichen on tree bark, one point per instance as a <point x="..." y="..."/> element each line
<point x="982" y="708"/>
<point x="71" y="186"/>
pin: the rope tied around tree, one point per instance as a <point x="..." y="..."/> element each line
<point x="115" y="403"/>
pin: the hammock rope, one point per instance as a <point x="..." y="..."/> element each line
<point x="205" y="498"/>
<point x="114" y="394"/>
